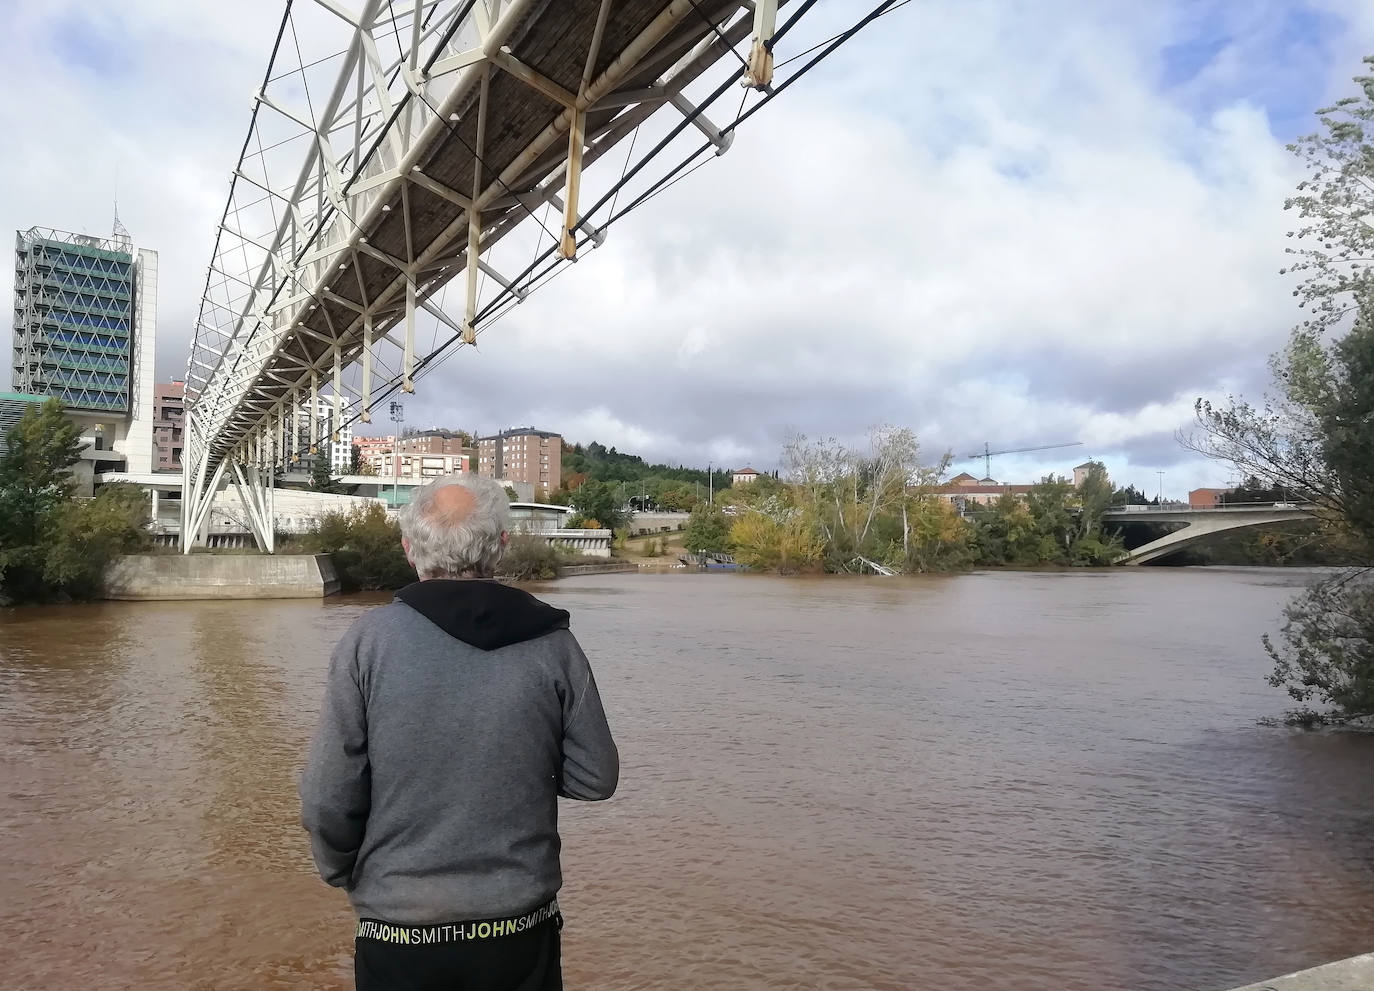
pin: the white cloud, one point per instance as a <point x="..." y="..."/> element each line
<point x="988" y="221"/>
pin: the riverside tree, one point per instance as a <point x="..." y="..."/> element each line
<point x="1057" y="523"/>
<point x="51" y="544"/>
<point x="35" y="482"/>
<point x="708" y="529"/>
<point x="775" y="534"/>
<point x="599" y="502"/>
<point x="1316" y="436"/>
<point x="861" y="499"/>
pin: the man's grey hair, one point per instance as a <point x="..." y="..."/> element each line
<point x="449" y="544"/>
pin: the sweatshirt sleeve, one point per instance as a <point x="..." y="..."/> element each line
<point x="336" y="787"/>
<point x="591" y="763"/>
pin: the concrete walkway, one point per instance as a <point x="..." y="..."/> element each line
<point x="1355" y="974"/>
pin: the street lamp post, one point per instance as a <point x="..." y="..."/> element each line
<point x="398" y="416"/>
<point x="1161" y="487"/>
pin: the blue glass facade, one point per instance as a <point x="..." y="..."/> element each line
<point x="74" y="326"/>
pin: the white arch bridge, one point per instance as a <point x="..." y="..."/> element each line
<point x="396" y="145"/>
<point x="1199" y="524"/>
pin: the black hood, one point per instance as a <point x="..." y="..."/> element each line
<point x="485" y="614"/>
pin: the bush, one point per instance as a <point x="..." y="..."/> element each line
<point x="1327" y="652"/>
<point x="708" y="529"/>
<point x="528" y="558"/>
<point x="786" y="542"/>
<point x="365" y="546"/>
<point x="88" y="534"/>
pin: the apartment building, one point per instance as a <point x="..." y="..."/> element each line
<point x="418" y="466"/>
<point x="522" y="454"/>
<point x="169" y="418"/>
<point x="339" y="451"/>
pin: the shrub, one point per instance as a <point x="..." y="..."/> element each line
<point x="528" y="558"/>
<point x="365" y="546"/>
<point x="785" y="543"/>
<point x="87" y="534"/>
<point x="1326" y="650"/>
<point x="708" y="529"/>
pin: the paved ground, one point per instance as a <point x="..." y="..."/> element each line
<point x="1355" y="974"/>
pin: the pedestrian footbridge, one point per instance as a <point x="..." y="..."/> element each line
<point x="1198" y="524"/>
<point x="400" y="146"/>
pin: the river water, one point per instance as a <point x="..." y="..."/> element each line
<point x="1000" y="780"/>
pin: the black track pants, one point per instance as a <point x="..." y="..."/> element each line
<point x="527" y="961"/>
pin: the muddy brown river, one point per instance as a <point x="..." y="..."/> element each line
<point x="991" y="781"/>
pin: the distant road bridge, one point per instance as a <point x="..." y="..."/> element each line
<point x="396" y="145"/>
<point x="1200" y="523"/>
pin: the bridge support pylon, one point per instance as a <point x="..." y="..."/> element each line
<point x="251" y="472"/>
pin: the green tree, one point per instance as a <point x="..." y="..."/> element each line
<point x="355" y="459"/>
<point x="35" y="471"/>
<point x="937" y="538"/>
<point x="88" y="534"/>
<point x="599" y="501"/>
<point x="1335" y="240"/>
<point x="1316" y="437"/>
<point x="1094" y="499"/>
<point x="321" y="480"/>
<point x="1006" y="533"/>
<point x="1129" y="496"/>
<point x="708" y="529"/>
<point x="1346" y="420"/>
<point x="599" y="463"/>
<point x="35" y="482"/>
<point x="1051" y="505"/>
<point x="776" y="536"/>
<point x="857" y="496"/>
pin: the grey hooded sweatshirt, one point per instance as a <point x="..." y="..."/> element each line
<point x="453" y="720"/>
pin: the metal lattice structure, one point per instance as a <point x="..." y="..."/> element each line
<point x="400" y="145"/>
<point x="74" y="318"/>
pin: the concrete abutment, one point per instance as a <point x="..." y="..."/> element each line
<point x="221" y="576"/>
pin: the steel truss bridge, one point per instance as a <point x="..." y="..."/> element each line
<point x="398" y="146"/>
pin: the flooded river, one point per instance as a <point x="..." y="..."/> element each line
<point x="993" y="781"/>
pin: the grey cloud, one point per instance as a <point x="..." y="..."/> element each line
<point x="869" y="251"/>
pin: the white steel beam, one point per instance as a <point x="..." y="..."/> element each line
<point x="294" y="293"/>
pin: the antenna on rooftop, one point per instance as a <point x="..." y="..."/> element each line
<point x="121" y="233"/>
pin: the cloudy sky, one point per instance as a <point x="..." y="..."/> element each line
<point x="990" y="221"/>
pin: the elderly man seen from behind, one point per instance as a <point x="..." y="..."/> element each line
<point x="453" y="720"/>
